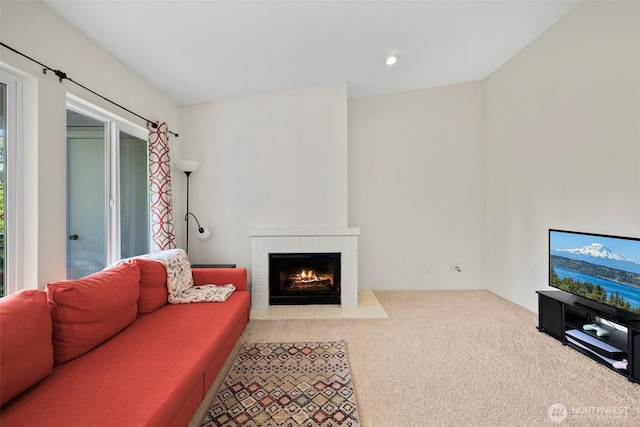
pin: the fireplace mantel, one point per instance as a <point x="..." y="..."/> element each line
<point x="303" y="240"/>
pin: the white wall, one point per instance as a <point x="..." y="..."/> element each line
<point x="276" y="160"/>
<point x="416" y="188"/>
<point x="35" y="30"/>
<point x="563" y="143"/>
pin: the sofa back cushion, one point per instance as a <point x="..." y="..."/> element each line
<point x="26" y="352"/>
<point x="153" y="285"/>
<point x="90" y="310"/>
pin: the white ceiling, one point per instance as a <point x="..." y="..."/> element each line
<point x="199" y="51"/>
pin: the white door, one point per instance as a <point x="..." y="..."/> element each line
<point x="86" y="195"/>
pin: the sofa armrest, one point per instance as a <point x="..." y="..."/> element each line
<point x="221" y="276"/>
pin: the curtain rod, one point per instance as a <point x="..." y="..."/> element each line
<point x="63" y="76"/>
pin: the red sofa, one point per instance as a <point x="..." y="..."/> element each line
<point x="108" y="350"/>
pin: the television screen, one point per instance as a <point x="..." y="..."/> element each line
<point x="605" y="269"/>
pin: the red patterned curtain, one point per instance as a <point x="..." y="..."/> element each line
<point x="162" y="236"/>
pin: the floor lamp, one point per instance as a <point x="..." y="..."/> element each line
<point x="189" y="166"/>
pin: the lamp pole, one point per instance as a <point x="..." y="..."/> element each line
<point x="186" y="217"/>
<point x="188" y="166"/>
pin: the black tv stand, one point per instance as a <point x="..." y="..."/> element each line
<point x="562" y="316"/>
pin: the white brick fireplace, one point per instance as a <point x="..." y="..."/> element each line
<point x="265" y="241"/>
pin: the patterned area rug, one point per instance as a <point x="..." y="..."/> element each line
<point x="286" y="384"/>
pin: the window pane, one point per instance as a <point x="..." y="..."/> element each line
<point x="86" y="195"/>
<point x="134" y="197"/>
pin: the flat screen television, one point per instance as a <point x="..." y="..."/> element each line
<point x="603" y="271"/>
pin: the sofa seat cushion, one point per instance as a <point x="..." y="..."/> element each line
<point x="141" y="376"/>
<point x="26" y="351"/>
<point x="90" y="310"/>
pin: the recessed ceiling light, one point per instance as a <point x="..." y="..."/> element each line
<point x="392" y="59"/>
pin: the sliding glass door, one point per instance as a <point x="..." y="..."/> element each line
<point x="107" y="193"/>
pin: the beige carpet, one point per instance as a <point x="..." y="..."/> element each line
<point x="463" y="358"/>
<point x="368" y="308"/>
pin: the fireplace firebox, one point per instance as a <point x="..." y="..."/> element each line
<point x="304" y="278"/>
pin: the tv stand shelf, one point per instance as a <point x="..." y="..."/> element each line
<point x="560" y="312"/>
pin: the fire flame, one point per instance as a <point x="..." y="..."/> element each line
<point x="308" y="275"/>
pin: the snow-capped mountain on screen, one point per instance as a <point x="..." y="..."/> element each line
<point x="596" y="250"/>
<point x="599" y="254"/>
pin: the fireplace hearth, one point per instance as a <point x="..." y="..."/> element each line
<point x="304" y="278"/>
